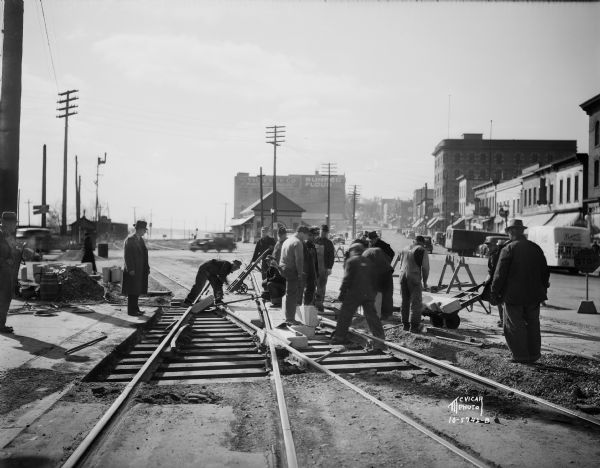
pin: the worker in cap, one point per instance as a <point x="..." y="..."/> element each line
<point x="215" y="272"/>
<point x="291" y="266"/>
<point x="521" y="281"/>
<point x="9" y="263"/>
<point x="265" y="243"/>
<point x="376" y="241"/>
<point x="326" y="258"/>
<point x="357" y="290"/>
<point x="311" y="266"/>
<point x="414" y="272"/>
<point x="136" y="268"/>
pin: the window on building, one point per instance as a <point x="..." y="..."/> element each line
<point x="525" y="198"/>
<point x="457" y="158"/>
<point x="597" y="133"/>
<point x="471" y="174"/>
<point x="560" y="192"/>
<point x="482" y="174"/>
<point x="576" y="188"/>
<point x="518" y="207"/>
<point x="482" y="158"/>
<point x="535" y="198"/>
<point x="596" y="172"/>
<point x="471" y="158"/>
<point x="529" y="197"/>
<point x="499" y="158"/>
<point x="568" y="190"/>
<point x="551" y="194"/>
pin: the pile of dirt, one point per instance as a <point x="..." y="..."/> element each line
<point x="76" y="284"/>
<point x="176" y="395"/>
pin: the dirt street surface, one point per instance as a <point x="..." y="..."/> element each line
<point x="46" y="410"/>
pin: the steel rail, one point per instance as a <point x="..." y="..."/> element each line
<point x="470" y="376"/>
<point x="288" y="438"/>
<point x="104" y="424"/>
<point x="393" y="411"/>
<point x="169" y="278"/>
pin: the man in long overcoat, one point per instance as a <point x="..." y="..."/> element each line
<point x="136" y="269"/>
<point x="521" y="281"/>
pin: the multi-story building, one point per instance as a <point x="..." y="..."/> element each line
<point x="592" y="202"/>
<point x="422" y="208"/>
<point x="493" y="160"/>
<point x="308" y="191"/>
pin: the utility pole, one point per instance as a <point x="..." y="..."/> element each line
<point x="28" y="212"/>
<point x="67" y="111"/>
<point x="330" y="167"/>
<point x="490" y="166"/>
<point x="355" y="195"/>
<point x="44" y="186"/>
<point x="100" y="161"/>
<point x="10" y="105"/>
<point x="275" y="136"/>
<point x="262" y="216"/>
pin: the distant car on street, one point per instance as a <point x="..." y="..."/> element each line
<point x="439" y="237"/>
<point x="214" y="241"/>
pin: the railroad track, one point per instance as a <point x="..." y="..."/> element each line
<point x="215" y="344"/>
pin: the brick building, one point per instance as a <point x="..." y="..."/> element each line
<point x="308" y="191"/>
<point x="493" y="160"/>
<point x="592" y="202"/>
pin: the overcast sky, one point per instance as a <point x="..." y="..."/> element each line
<point x="178" y="93"/>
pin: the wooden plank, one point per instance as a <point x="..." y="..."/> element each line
<point x="234" y="356"/>
<point x="234" y="334"/>
<point x="216" y="344"/>
<point x="357" y="367"/>
<point x="210" y="373"/>
<point x="213" y="351"/>
<point x="175" y="366"/>
<point x="239" y="379"/>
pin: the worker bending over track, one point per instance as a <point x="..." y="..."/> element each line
<point x="215" y="272"/>
<point x="357" y="290"/>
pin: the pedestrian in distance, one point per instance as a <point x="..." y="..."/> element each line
<point x="383" y="279"/>
<point x="291" y="266"/>
<point x="311" y="267"/>
<point x="357" y="290"/>
<point x="414" y="272"/>
<point x="376" y="241"/>
<point x="215" y="272"/>
<point x="266" y="242"/>
<point x="136" y="268"/>
<point x="9" y="264"/>
<point x="521" y="281"/>
<point x="88" y="251"/>
<point x="325" y="258"/>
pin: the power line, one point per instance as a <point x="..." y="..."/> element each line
<point x="49" y="48"/>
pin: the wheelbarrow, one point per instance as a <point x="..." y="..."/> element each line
<point x="443" y="311"/>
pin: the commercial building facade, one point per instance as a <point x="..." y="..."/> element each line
<point x="492" y="160"/>
<point x="308" y="191"/>
<point x="592" y="202"/>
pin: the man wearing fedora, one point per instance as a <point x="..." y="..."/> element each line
<point x="136" y="269"/>
<point x="521" y="281"/>
<point x="9" y="262"/>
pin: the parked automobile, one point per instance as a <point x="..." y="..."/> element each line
<point x="439" y="238"/>
<point x="428" y="244"/>
<point x="214" y="241"/>
<point x="465" y="242"/>
<point x="489" y="245"/>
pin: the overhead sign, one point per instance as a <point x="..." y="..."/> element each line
<point x="40" y="209"/>
<point x="587" y="261"/>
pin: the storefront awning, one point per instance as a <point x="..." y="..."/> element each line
<point x="418" y="222"/>
<point x="537" y="220"/>
<point x="240" y="221"/>
<point x="433" y="221"/>
<point x="459" y="223"/>
<point x="564" y="219"/>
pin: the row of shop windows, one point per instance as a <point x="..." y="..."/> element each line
<point x="484" y="158"/>
<point x="546" y="195"/>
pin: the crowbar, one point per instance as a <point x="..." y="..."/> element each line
<point x="334" y="350"/>
<point x="85" y="345"/>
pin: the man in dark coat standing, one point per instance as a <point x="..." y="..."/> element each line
<point x="266" y="242"/>
<point x="9" y="264"/>
<point x="357" y="290"/>
<point x="136" y="269"/>
<point x="325" y="252"/>
<point x="215" y="272"/>
<point x="88" y="252"/>
<point x="376" y="241"/>
<point x="521" y="281"/>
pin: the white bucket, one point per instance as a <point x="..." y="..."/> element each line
<point x="309" y="315"/>
<point x="116" y="275"/>
<point x="106" y="274"/>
